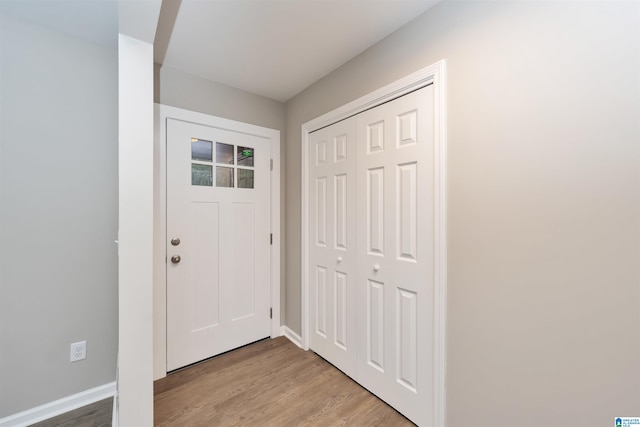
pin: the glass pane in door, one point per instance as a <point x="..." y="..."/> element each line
<point x="224" y="153"/>
<point x="245" y="178"/>
<point x="201" y="150"/>
<point x="201" y="175"/>
<point x="245" y="156"/>
<point x="224" y="177"/>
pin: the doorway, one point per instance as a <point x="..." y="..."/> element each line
<point x="211" y="209"/>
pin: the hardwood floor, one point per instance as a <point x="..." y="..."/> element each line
<point x="269" y="383"/>
<point x="95" y="415"/>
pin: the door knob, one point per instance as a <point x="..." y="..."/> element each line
<point x="376" y="267"/>
<point x="175" y="259"/>
<point x="339" y="259"/>
<point x="175" y="241"/>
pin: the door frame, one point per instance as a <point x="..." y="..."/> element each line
<point x="431" y="75"/>
<point x="272" y="136"/>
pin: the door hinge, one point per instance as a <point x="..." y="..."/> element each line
<point x="271" y="313"/>
<point x="271" y="164"/>
<point x="271" y="238"/>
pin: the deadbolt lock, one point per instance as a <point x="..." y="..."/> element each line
<point x="175" y="241"/>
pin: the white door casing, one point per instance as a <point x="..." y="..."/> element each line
<point x="218" y="292"/>
<point x="401" y="258"/>
<point x="333" y="235"/>
<point x="268" y="139"/>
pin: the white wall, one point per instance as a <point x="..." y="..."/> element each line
<point x="58" y="223"/>
<point x="135" y="367"/>
<point x="137" y="23"/>
<point x="544" y="202"/>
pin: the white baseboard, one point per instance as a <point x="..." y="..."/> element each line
<point x="292" y="336"/>
<point x="58" y="407"/>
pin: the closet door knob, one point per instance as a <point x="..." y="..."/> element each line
<point x="376" y="267"/>
<point x="339" y="259"/>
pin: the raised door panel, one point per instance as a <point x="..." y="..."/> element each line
<point x="407" y="211"/>
<point x="320" y="222"/>
<point x="407" y="338"/>
<point x="375" y="336"/>
<point x="340" y="219"/>
<point x="320" y="305"/>
<point x="375" y="211"/>
<point x="341" y="308"/>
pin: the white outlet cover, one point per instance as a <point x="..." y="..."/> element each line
<point x="78" y="351"/>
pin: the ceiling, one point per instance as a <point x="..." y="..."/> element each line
<point x="273" y="48"/>
<point x="276" y="48"/>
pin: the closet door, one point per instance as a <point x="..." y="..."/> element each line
<point x="332" y="241"/>
<point x="395" y="188"/>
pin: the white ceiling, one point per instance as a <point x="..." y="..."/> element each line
<point x="278" y="48"/>
<point x="273" y="48"/>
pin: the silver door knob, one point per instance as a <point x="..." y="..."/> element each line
<point x="376" y="267"/>
<point x="175" y="241"/>
<point x="339" y="259"/>
<point x="175" y="259"/>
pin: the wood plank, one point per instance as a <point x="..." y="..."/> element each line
<point x="268" y="383"/>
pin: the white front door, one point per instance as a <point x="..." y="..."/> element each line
<point x="218" y="258"/>
<point x="371" y="250"/>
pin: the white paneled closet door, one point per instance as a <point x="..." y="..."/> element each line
<point x="371" y="250"/>
<point x="395" y="187"/>
<point x="332" y="244"/>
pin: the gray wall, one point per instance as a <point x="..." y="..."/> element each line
<point x="544" y="204"/>
<point x="58" y="263"/>
<point x="179" y="89"/>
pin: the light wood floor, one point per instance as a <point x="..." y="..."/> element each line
<point x="95" y="415"/>
<point x="269" y="383"/>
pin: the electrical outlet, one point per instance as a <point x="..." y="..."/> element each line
<point x="78" y="351"/>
